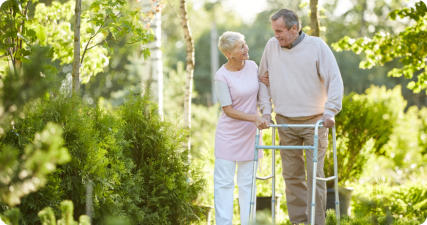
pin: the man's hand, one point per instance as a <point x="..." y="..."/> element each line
<point x="328" y="121"/>
<point x="265" y="79"/>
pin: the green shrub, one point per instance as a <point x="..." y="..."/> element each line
<point x="88" y="159"/>
<point x="364" y="126"/>
<point x="135" y="162"/>
<point x="168" y="185"/>
<point x="47" y="216"/>
<point x="37" y="75"/>
<point x="404" y="160"/>
<point x="24" y="172"/>
<point x="397" y="205"/>
<point x="11" y="216"/>
<point x="368" y="219"/>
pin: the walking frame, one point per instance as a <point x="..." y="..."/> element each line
<point x="274" y="147"/>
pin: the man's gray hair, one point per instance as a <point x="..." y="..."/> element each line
<point x="228" y="40"/>
<point x="289" y="17"/>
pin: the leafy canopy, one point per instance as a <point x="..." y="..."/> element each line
<point x="408" y="46"/>
<point x="26" y="23"/>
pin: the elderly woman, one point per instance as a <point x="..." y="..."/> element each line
<point x="236" y="84"/>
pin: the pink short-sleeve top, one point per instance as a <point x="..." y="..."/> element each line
<point x="235" y="139"/>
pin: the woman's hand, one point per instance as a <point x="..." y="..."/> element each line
<point x="265" y="79"/>
<point x="261" y="122"/>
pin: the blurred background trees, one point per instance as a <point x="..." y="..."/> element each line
<point x="36" y="52"/>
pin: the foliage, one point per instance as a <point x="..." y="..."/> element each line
<point x="15" y="36"/>
<point x="25" y="23"/>
<point x="24" y="169"/>
<point x="101" y="21"/>
<point x="169" y="185"/>
<point x="409" y="46"/>
<point x="24" y="173"/>
<point x="47" y="216"/>
<point x="363" y="127"/>
<point x="134" y="160"/>
<point x="422" y="137"/>
<point x="392" y="204"/>
<point x="12" y="216"/>
<point x="405" y="149"/>
<point x="359" y="18"/>
<point x="37" y="75"/>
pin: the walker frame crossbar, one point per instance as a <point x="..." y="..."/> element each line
<point x="274" y="147"/>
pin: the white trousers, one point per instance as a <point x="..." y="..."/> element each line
<point x="224" y="189"/>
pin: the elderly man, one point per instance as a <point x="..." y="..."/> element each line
<point x="302" y="78"/>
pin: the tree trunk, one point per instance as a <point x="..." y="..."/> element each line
<point x="189" y="70"/>
<point x="314" y="21"/>
<point x="363" y="28"/>
<point x="76" y="60"/>
<point x="154" y="83"/>
<point x="75" y="91"/>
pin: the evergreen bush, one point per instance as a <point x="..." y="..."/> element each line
<point x="168" y="185"/>
<point x="136" y="162"/>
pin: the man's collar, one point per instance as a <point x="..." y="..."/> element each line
<point x="298" y="40"/>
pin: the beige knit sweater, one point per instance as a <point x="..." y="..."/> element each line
<point x="304" y="80"/>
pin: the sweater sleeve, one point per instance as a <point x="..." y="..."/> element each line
<point x="330" y="73"/>
<point x="264" y="97"/>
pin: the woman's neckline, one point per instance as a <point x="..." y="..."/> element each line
<point x="234" y="71"/>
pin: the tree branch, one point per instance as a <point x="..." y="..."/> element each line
<point x="93" y="46"/>
<point x="90" y="39"/>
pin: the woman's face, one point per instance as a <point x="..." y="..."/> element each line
<point x="240" y="51"/>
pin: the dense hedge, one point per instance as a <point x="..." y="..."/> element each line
<point x="136" y="162"/>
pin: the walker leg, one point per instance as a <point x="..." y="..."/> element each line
<point x="313" y="191"/>
<point x="252" y="206"/>
<point x="314" y="175"/>
<point x="337" y="200"/>
<point x="273" y="174"/>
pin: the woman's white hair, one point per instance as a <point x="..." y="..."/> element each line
<point x="228" y="40"/>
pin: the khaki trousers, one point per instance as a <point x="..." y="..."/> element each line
<point x="298" y="186"/>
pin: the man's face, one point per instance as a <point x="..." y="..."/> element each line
<point x="284" y="35"/>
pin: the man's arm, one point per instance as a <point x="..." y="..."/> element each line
<point x="264" y="98"/>
<point x="330" y="73"/>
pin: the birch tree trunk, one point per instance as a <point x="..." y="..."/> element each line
<point x="76" y="89"/>
<point x="314" y="21"/>
<point x="76" y="60"/>
<point x="155" y="65"/>
<point x="189" y="70"/>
